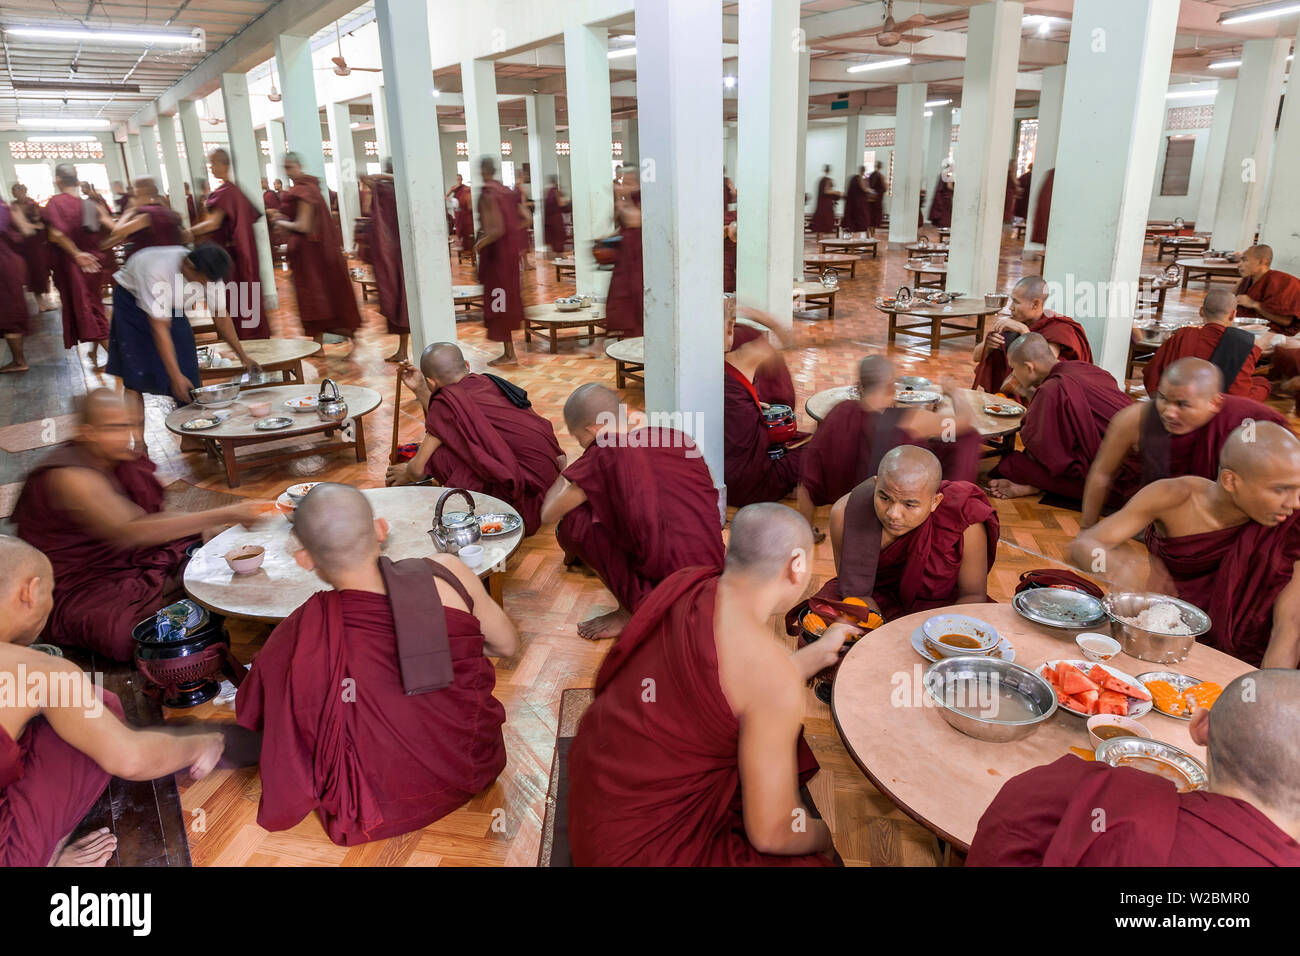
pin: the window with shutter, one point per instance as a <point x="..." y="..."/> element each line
<point x="1178" y="165"/>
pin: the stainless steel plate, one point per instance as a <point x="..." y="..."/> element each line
<point x="275" y="423"/>
<point x="1180" y="682"/>
<point x="509" y="523"/>
<point x="1119" y="751"/>
<point x="200" y="424"/>
<point x="1059" y="607"/>
<point x="917" y="397"/>
<point x="1004" y="409"/>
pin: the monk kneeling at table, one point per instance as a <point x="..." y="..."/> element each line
<point x="95" y="508"/>
<point x="1180" y="433"/>
<point x="1233" y="351"/>
<point x="1067" y="338"/>
<point x="637" y="505"/>
<point x="847" y="447"/>
<point x="58" y="753"/>
<point x="696" y="706"/>
<point x="1266" y="293"/>
<point x="420" y="733"/>
<point x="1229" y="546"/>
<point x="1249" y="816"/>
<point x="481" y="434"/>
<point x="1071" y="405"/>
<point x="907" y="540"/>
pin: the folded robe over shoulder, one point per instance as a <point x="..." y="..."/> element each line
<point x="1048" y="817"/>
<point x="750" y="474"/>
<point x="491" y="445"/>
<point x="651" y="509"/>
<point x="1060" y="330"/>
<point x="1201" y="341"/>
<point x="659" y="784"/>
<point x="1196" y="453"/>
<point x="1278" y="293"/>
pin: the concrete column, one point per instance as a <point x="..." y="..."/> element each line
<point x="632" y="141"/>
<point x="379" y="111"/>
<point x="1051" y="99"/>
<point x="246" y="163"/>
<point x="135" y="167"/>
<point x="1250" y="142"/>
<point x="936" y="151"/>
<point x="417" y="169"/>
<point x="909" y="135"/>
<point x="195" y="156"/>
<point x="172" y="162"/>
<point x="987" y="100"/>
<point x="542" y="161"/>
<point x="766" y="103"/>
<point x="586" y="81"/>
<point x="275" y="139"/>
<point x="149" y="146"/>
<point x="345" y="165"/>
<point x="1115" y="83"/>
<point x="301" y="113"/>
<point x="800" y="154"/>
<point x="855" y="142"/>
<point x="1216" y="151"/>
<point x="482" y="120"/>
<point x="1282" y="212"/>
<point x="679" y="98"/>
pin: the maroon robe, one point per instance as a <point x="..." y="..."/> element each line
<point x="100" y="591"/>
<point x="1235" y="575"/>
<point x="464" y="216"/>
<point x="1043" y="209"/>
<point x="1047" y="817"/>
<point x="876" y="204"/>
<point x="557" y="239"/>
<point x="163" y="229"/>
<point x="1197" y="452"/>
<point x="35" y="250"/>
<point x="191" y="209"/>
<point x="1063" y="429"/>
<point x="659" y="784"/>
<point x="728" y="263"/>
<point x="856" y="218"/>
<point x="523" y="221"/>
<point x="498" y="266"/>
<point x="823" y="217"/>
<point x="492" y="446"/>
<point x="750" y="472"/>
<point x="235" y="235"/>
<point x="625" y="306"/>
<point x="1200" y="341"/>
<point x="1009" y="199"/>
<point x="1061" y="330"/>
<point x="385" y="762"/>
<point x="651" y="509"/>
<point x="941" y="204"/>
<point x="270" y="199"/>
<point x="47" y="787"/>
<point x="327" y="299"/>
<point x="13" y="302"/>
<point x="1022" y="195"/>
<point x="386" y="257"/>
<point x="772" y="380"/>
<point x="82" y="303"/>
<point x="1279" y="293"/>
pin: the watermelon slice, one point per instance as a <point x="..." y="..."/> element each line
<point x="1086" y="702"/>
<point x="1111" y="702"/>
<point x="1073" y="680"/>
<point x="1123" y="687"/>
<point x="1098" y="675"/>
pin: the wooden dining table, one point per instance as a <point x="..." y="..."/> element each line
<point x="273" y="355"/>
<point x="943" y="778"/>
<point x="850" y="245"/>
<point x="928" y="321"/>
<point x="831" y="262"/>
<point x="998" y="431"/>
<point x="1207" y="269"/>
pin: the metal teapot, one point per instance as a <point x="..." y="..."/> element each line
<point x="455" y="529"/>
<point x="331" y="407"/>
<point x="904" y="297"/>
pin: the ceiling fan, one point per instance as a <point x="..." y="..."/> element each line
<point x="891" y="32"/>
<point x="341" y="67"/>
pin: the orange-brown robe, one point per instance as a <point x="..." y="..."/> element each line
<point x="1203" y="341"/>
<point x="1278" y="293"/>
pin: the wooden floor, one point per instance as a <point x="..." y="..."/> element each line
<point x="502" y="825"/>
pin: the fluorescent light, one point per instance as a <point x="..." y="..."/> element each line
<point x="938" y="102"/>
<point x="880" y="65"/>
<point x="1225" y="65"/>
<point x="729" y="82"/>
<point x="929" y="113"/>
<point x="615" y="54"/>
<point x="131" y="37"/>
<point x="56" y="139"/>
<point x="436" y="93"/>
<point x="1188" y="94"/>
<point x="355" y="125"/>
<point x="64" y="122"/>
<point x="1264" y="12"/>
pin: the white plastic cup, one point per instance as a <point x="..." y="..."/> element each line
<point x="471" y="554"/>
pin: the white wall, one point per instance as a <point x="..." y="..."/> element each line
<point x="112" y="157"/>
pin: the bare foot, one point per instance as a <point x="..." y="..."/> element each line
<point x="94" y="849"/>
<point x="604" y="625"/>
<point x="14" y="367"/>
<point x="818" y="535"/>
<point x="1001" y="488"/>
<point x="503" y="360"/>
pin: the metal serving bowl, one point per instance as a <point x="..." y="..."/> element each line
<point x="990" y="680"/>
<point x="995" y="300"/>
<point x="215" y="396"/>
<point x="1151" y="332"/>
<point x="1152" y="645"/>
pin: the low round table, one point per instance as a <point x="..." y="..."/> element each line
<point x="996" y="430"/>
<point x="931" y="320"/>
<point x="1179" y="244"/>
<point x="280" y="586"/>
<point x="237" y="430"/>
<point x="929" y="250"/>
<point x="548" y="320"/>
<point x="564" y="265"/>
<point x="939" y="271"/>
<point x="465" y="297"/>
<point x="629" y="360"/>
<point x="851" y="245"/>
<point x="1209" y="271"/>
<point x="942" y="778"/>
<point x="273" y="355"/>
<point x="815" y="294"/>
<point x="831" y="261"/>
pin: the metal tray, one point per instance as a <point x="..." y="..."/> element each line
<point x="509" y="523"/>
<point x="1059" y="607"/>
<point x="1180" y="682"/>
<point x="274" y="423"/>
<point x="1115" y="750"/>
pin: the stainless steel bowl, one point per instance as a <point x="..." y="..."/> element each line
<point x="970" y="693"/>
<point x="913" y="382"/>
<point x="1151" y="332"/>
<point x="1152" y="645"/>
<point x="215" y="396"/>
<point x="995" y="300"/>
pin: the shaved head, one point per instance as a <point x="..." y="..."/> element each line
<point x="907" y="488"/>
<point x="911" y="467"/>
<point x="336" y="526"/>
<point x="1193" y="373"/>
<point x="65" y="174"/>
<point x="1255" y="738"/>
<point x="874" y="373"/>
<point x="26" y="591"/>
<point x="1032" y="287"/>
<point x="1219" y="305"/>
<point x="443" y="362"/>
<point x="1254" y="448"/>
<point x="1259" y="466"/>
<point x="20" y="562"/>
<point x="1032" y="347"/>
<point x="145" y="184"/>
<point x="99" y="405"/>
<point x="764" y="537"/>
<point x="587" y="403"/>
<point x="220" y="155"/>
<point x="1261" y="253"/>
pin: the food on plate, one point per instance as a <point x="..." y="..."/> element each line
<point x="814" y="624"/>
<point x="1181" y="703"/>
<point x="1097" y="691"/>
<point x="491" y="527"/>
<point x="1161" y="617"/>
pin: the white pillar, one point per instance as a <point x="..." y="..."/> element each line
<point x="417" y="169"/>
<point x="855" y="142"/>
<point x="539" y="110"/>
<point x="1216" y="151"/>
<point x="172" y="161"/>
<point x="632" y="141"/>
<point x="1250" y="142"/>
<point x="679" y="99"/>
<point x="9" y="173"/>
<point x="195" y="156"/>
<point x="276" y="141"/>
<point x="586" y="83"/>
<point x="345" y="166"/>
<point x="149" y="146"/>
<point x="379" y="111"/>
<point x="766" y="93"/>
<point x="909" y="135"/>
<point x="246" y="163"/>
<point x="1281" y="215"/>
<point x="301" y="114"/>
<point x="1051" y="99"/>
<point x="482" y="120"/>
<point x="798" y="181"/>
<point x="1115" y="83"/>
<point x="988" y="96"/>
<point x="936" y="151"/>
<point x="135" y="167"/>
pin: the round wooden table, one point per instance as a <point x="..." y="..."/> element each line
<point x="929" y="250"/>
<point x="942" y="778"/>
<point x="465" y="297"/>
<point x="933" y="319"/>
<point x="280" y="586"/>
<point x="919" y="271"/>
<point x="629" y="360"/>
<point x="851" y="245"/>
<point x="813" y="293"/>
<point x="996" y="430"/>
<point x="273" y="355"/>
<point x="1177" y="244"/>
<point x="831" y="261"/>
<point x="237" y="430"/>
<point x="1207" y="270"/>
<point x="564" y="265"/>
<point x="547" y="320"/>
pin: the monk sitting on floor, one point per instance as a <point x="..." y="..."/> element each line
<point x="1266" y="293"/>
<point x="481" y="434"/>
<point x="59" y="749"/>
<point x="1233" y="351"/>
<point x="637" y="505"/>
<point x="1180" y="433"/>
<point x="1065" y="336"/>
<point x="1072" y="404"/>
<point x="95" y="508"/>
<point x="906" y="540"/>
<point x="847" y="447"/>
<point x="420" y="732"/>
<point x="1229" y="546"/>
<point x="696" y="705"/>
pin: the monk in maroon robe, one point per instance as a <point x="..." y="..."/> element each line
<point x="856" y="218"/>
<point x="1048" y="816"/>
<point x="1009" y="196"/>
<point x="1229" y="545"/>
<point x="481" y="434"/>
<point x="327" y="299"/>
<point x="729" y="235"/>
<point x="497" y="253"/>
<point x="74" y="226"/>
<point x="35" y="248"/>
<point x="876" y="189"/>
<point x="270" y="198"/>
<point x="941" y="204"/>
<point x="637" y="505"/>
<point x="692" y="753"/>
<point x="1233" y="351"/>
<point x="1043" y="209"/>
<point x="14" y="320"/>
<point x="386" y="258"/>
<point x="1267" y="293"/>
<point x="1063" y="427"/>
<point x="229" y="224"/>
<point x="1066" y="336"/>
<point x="95" y="508"/>
<point x="464" y="222"/>
<point x="554" y="204"/>
<point x="625" y="304"/>
<point x="772" y="378"/>
<point x="1023" y="186"/>
<point x="147" y="222"/>
<point x="422" y="733"/>
<point x="1181" y="432"/>
<point x="191" y="207"/>
<point x="823" y="217"/>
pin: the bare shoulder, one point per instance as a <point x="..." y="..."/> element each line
<point x="1127" y="418"/>
<point x="756" y="671"/>
<point x="1160" y="497"/>
<point x="13" y="656"/>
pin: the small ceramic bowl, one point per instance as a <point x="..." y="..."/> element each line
<point x="259" y="409"/>
<point x="245" y="560"/>
<point x="471" y="554"/>
<point x="1130" y="726"/>
<point x="1097" y="647"/>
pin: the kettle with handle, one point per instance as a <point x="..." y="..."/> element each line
<point x="330" y="405"/>
<point x="456" y="529"/>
